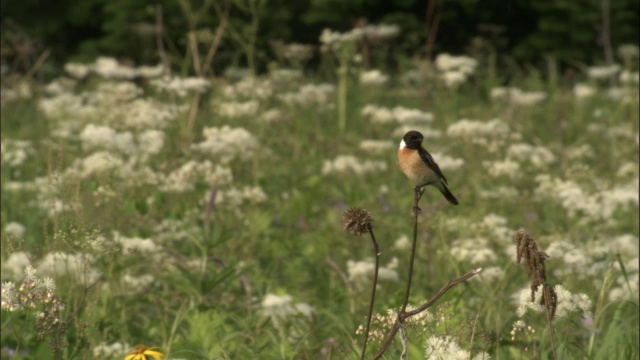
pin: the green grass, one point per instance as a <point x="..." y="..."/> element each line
<point x="211" y="274"/>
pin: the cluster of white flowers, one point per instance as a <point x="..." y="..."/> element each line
<point x="271" y="116"/>
<point x="281" y="308"/>
<point x="603" y="72"/>
<point x="285" y="76"/>
<point x="189" y="174"/>
<point x="136" y="284"/>
<point x="332" y="38"/>
<point x="109" y="68"/>
<point x="115" y="104"/>
<point x="18" y="91"/>
<point x="181" y="86"/>
<point x="515" y="96"/>
<point x="15" y="152"/>
<point x="376" y="146"/>
<point x="566" y="302"/>
<point x="402" y="243"/>
<point x="351" y="164"/>
<point x="500" y="192"/>
<point x="628" y="52"/>
<point x="447" y="348"/>
<point x="32" y="293"/>
<point x="13" y="267"/>
<point x="139" y="247"/>
<point x="60" y="85"/>
<point x="15" y="229"/>
<point x="583" y="91"/>
<point x="399" y="114"/>
<point x="626" y="283"/>
<point x="248" y="88"/>
<point x="234" y="197"/>
<point x="235" y="110"/>
<point x="489" y="134"/>
<point x="174" y="230"/>
<point x="373" y="77"/>
<point x="227" y="143"/>
<point x="382" y="323"/>
<point x="320" y="95"/>
<point x="111" y="351"/>
<point x="455" y="70"/>
<point x="373" y="32"/>
<point x="496" y="227"/>
<point x="537" y="155"/>
<point x="599" y="205"/>
<point x="97" y="163"/>
<point x="297" y="52"/>
<point x="381" y="31"/>
<point x="627" y="76"/>
<point x="625" y="95"/>
<point x="78" y="266"/>
<point x="489" y="275"/>
<point x="361" y="272"/>
<point x="104" y="137"/>
<point x="474" y="250"/>
<point x="498" y="168"/>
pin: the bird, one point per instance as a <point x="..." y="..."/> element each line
<point x="420" y="167"/>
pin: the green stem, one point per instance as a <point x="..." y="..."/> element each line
<point x="342" y="96"/>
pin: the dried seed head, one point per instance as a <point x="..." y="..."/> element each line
<point x="550" y="300"/>
<point x="533" y="260"/>
<point x="357" y="221"/>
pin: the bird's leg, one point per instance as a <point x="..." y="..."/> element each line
<point x="418" y="194"/>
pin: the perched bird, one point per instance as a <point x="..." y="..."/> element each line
<point x="419" y="166"/>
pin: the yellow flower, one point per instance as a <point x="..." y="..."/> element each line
<point x="141" y="352"/>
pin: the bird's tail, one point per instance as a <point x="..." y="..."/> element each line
<point x="447" y="194"/>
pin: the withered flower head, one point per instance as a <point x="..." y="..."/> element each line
<point x="356" y="221"/>
<point x="549" y="299"/>
<point x="527" y="251"/>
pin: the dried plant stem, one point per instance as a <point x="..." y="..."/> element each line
<point x="416" y="211"/>
<point x="432" y="21"/>
<point x="473" y="331"/>
<point x="343" y="72"/>
<point x="376" y="249"/>
<point x="159" y="42"/>
<point x="404" y="315"/>
<point x="550" y="326"/>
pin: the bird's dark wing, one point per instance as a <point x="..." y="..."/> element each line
<point x="428" y="159"/>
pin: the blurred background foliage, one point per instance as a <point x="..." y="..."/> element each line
<point x="529" y="31"/>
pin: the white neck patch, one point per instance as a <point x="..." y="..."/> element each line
<point x="403" y="144"/>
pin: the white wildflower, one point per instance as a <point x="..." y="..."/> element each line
<point x="350" y="163"/>
<point x="227" y="143"/>
<point x="582" y="91"/>
<point x="373" y="77"/>
<point x="603" y="72"/>
<point x="181" y="86"/>
<point x="15" y="229"/>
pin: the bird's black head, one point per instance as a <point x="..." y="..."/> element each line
<point x="413" y="139"/>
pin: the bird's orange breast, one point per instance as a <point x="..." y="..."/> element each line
<point x="416" y="170"/>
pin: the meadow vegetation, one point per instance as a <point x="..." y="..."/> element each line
<point x="133" y="213"/>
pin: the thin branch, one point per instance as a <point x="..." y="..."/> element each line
<point x="159" y="43"/>
<point x="404" y="315"/>
<point x="195" y="53"/>
<point x="473" y="332"/>
<point x="41" y="59"/>
<point x="217" y="38"/>
<point x="376" y="249"/>
<point x="416" y="211"/>
<point x="345" y="279"/>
